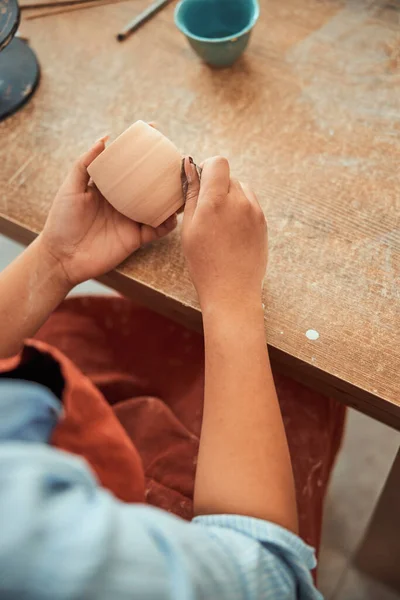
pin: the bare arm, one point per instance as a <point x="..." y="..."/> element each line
<point x="83" y="237"/>
<point x="31" y="287"/>
<point x="244" y="464"/>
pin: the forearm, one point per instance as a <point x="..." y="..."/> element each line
<point x="244" y="464"/>
<point x="31" y="287"/>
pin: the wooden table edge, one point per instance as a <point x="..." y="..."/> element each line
<point x="326" y="383"/>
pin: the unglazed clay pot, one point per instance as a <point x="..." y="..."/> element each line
<point x="140" y="175"/>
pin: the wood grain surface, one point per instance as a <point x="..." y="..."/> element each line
<point x="310" y="116"/>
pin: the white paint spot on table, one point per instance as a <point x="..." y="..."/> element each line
<point x="311" y="334"/>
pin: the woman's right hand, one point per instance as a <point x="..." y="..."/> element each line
<point x="243" y="465"/>
<point x="224" y="237"/>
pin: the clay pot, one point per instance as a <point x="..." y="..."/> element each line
<point x="140" y="175"/>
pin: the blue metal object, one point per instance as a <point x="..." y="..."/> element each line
<point x="218" y="30"/>
<point x="19" y="69"/>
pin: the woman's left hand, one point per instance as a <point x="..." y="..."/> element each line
<point x="85" y="234"/>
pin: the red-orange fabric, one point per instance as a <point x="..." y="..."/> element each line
<point x="88" y="427"/>
<point x="132" y="386"/>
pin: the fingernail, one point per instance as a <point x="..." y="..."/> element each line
<point x="195" y="173"/>
<point x="103" y="139"/>
<point x="188" y="163"/>
<point x="193" y="169"/>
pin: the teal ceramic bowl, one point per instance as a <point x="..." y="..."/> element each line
<point x="218" y="30"/>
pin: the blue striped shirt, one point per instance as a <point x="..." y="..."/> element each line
<point x="63" y="537"/>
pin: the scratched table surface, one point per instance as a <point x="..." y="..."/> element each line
<point x="310" y="116"/>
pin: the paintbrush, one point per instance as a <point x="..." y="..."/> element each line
<point x="67" y="9"/>
<point x="55" y="3"/>
<point x="138" y="21"/>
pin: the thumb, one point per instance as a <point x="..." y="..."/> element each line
<point x="78" y="177"/>
<point x="193" y="189"/>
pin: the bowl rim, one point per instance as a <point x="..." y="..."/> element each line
<point x="227" y="38"/>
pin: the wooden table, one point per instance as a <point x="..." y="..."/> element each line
<point x="310" y="116"/>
